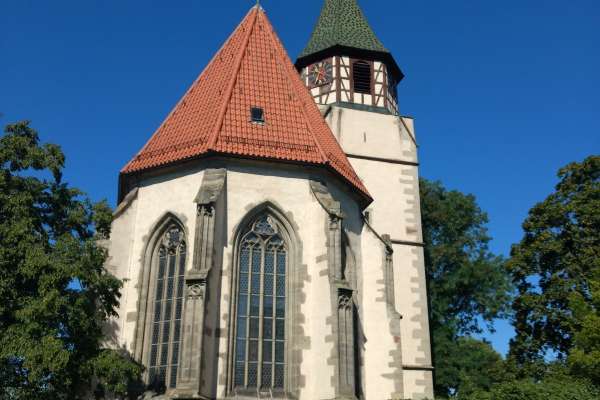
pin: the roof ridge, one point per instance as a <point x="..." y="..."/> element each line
<point x="286" y="73"/>
<point x="212" y="140"/>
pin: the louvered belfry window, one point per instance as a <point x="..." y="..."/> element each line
<point x="260" y="316"/>
<point x="167" y="309"/>
<point x="361" y="74"/>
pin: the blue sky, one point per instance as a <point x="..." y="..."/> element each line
<point x="504" y="93"/>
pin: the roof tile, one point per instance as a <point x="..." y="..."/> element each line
<point x="252" y="69"/>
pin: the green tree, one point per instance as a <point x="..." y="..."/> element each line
<point x="467" y="285"/>
<point x="476" y="365"/>
<point x="584" y="358"/>
<point x="55" y="293"/>
<point x="556" y="268"/>
<point x="555" y="386"/>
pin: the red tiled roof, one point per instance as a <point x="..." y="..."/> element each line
<point x="251" y="69"/>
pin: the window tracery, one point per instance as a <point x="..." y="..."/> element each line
<point x="346" y="340"/>
<point x="260" y="341"/>
<point x="167" y="306"/>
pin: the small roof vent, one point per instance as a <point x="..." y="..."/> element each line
<point x="257" y="115"/>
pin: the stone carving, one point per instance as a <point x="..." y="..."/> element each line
<point x="334" y="222"/>
<point x="265" y="226"/>
<point x="326" y="200"/>
<point x="346" y="343"/>
<point x="335" y="248"/>
<point x="388" y="270"/>
<point x="250" y="241"/>
<point x="206" y="210"/>
<point x="275" y="243"/>
<point x="192" y="357"/>
<point x="344" y="301"/>
<point x="173" y="239"/>
<point x="126" y="202"/>
<point x="213" y="183"/>
<point x="210" y="190"/>
<point x="196" y="291"/>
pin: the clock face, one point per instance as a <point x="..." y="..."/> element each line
<point x="320" y="73"/>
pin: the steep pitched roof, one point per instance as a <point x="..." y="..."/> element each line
<point x="342" y="23"/>
<point x="252" y="69"/>
<point x="343" y="29"/>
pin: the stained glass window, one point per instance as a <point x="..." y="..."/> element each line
<point x="260" y="324"/>
<point x="167" y="304"/>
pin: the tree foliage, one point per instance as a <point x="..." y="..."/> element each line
<point x="56" y="295"/>
<point x="476" y="366"/>
<point x="564" y="388"/>
<point x="467" y="284"/>
<point x="584" y="359"/>
<point x="556" y="269"/>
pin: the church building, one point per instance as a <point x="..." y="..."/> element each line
<point x="269" y="231"/>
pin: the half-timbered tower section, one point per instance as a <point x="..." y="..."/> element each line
<point x="268" y="252"/>
<point x="345" y="63"/>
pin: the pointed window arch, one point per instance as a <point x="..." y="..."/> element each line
<point x="260" y="311"/>
<point x="165" y="306"/>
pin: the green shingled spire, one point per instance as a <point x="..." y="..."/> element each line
<point x="342" y="23"/>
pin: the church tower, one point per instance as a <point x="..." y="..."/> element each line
<point x="353" y="79"/>
<point x="265" y="255"/>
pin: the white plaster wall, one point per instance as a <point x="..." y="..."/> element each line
<point x="394" y="186"/>
<point x="411" y="302"/>
<point x="379" y="382"/>
<point x="373" y="134"/>
<point x="393" y="210"/>
<point x="118" y="263"/>
<point x="386" y="147"/>
<point x="249" y="185"/>
<point x="418" y="385"/>
<point x="172" y="193"/>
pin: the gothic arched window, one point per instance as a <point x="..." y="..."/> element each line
<point x="260" y="336"/>
<point x="361" y="76"/>
<point x="166" y="306"/>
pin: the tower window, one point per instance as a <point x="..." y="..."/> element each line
<point x="257" y="115"/>
<point x="361" y="73"/>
